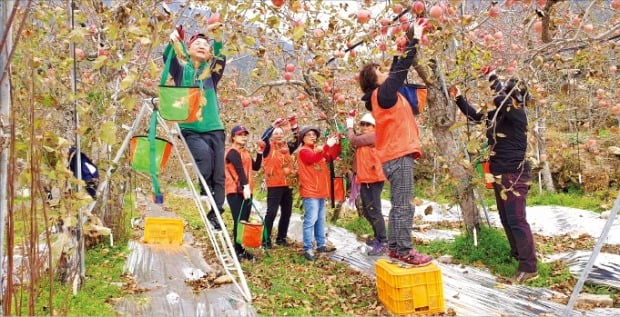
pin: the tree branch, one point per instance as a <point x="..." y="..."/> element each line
<point x="546" y="20"/>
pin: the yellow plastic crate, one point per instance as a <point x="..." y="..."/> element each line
<point x="410" y="290"/>
<point x="163" y="230"/>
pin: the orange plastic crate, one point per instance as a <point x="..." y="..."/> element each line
<point x="410" y="290"/>
<point x="163" y="230"/>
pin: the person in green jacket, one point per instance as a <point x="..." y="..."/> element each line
<point x="200" y="62"/>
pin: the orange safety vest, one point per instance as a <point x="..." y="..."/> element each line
<point x="278" y="164"/>
<point x="232" y="185"/>
<point x="396" y="129"/>
<point x="368" y="166"/>
<point x="313" y="178"/>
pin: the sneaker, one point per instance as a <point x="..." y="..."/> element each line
<point x="266" y="245"/>
<point x="282" y="243"/>
<point x="245" y="255"/>
<point x="325" y="249"/>
<point x="379" y="249"/>
<point x="213" y="221"/>
<point x="309" y="255"/>
<point x="393" y="254"/>
<point x="372" y="242"/>
<point x="207" y="204"/>
<point x="522" y="277"/>
<point x="416" y="258"/>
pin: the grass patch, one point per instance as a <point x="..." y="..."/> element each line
<point x="575" y="198"/>
<point x="354" y="223"/>
<point x="104" y="270"/>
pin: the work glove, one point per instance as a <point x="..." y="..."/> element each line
<point x="350" y="122"/>
<point x="331" y="141"/>
<point x="177" y="35"/>
<point x="454" y="92"/>
<point x="416" y="29"/>
<point x="247" y="194"/>
<point x="293" y="121"/>
<point x="260" y="144"/>
<point x="278" y="122"/>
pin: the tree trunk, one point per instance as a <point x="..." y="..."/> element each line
<point x="440" y="120"/>
<point x="441" y="116"/>
<point x="539" y="133"/>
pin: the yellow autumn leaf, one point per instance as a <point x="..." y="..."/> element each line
<point x="107" y="133"/>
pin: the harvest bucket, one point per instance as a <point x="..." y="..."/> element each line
<point x="140" y="153"/>
<point x="250" y="234"/>
<point x="484" y="168"/>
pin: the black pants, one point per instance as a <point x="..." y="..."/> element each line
<point x="281" y="197"/>
<point x="207" y="148"/>
<point x="371" y="208"/>
<point x="235" y="201"/>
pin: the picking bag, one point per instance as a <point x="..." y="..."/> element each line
<point x="416" y="95"/>
<point x="250" y="234"/>
<point x="140" y="152"/>
<point x="339" y="189"/>
<point x="484" y="168"/>
<point x="178" y="103"/>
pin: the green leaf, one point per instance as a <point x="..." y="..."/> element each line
<point x="298" y="32"/>
<point x="250" y="41"/>
<point x="128" y="103"/>
<point x="128" y="81"/>
<point x="100" y="61"/>
<point x="107" y="133"/>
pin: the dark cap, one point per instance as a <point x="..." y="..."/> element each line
<point x="195" y="37"/>
<point x="307" y="129"/>
<point x="238" y="129"/>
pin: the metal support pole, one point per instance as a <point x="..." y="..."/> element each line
<point x="5" y="107"/>
<point x="595" y="252"/>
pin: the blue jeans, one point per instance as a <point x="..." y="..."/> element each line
<point x="314" y="222"/>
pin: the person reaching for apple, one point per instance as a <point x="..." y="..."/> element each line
<point x="506" y="132"/>
<point x="369" y="174"/>
<point x="314" y="184"/>
<point x="278" y="166"/>
<point x="397" y="143"/>
<point x="199" y="62"/>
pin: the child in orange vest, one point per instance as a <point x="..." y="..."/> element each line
<point x="369" y="173"/>
<point x="239" y="181"/>
<point x="314" y="184"/>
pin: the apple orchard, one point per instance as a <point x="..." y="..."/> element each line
<point x="301" y="57"/>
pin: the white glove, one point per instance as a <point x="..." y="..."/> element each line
<point x="247" y="194"/>
<point x="174" y="36"/>
<point x="416" y="29"/>
<point x="331" y="141"/>
<point x="350" y="122"/>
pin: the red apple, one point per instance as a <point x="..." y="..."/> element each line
<point x="436" y="12"/>
<point x="616" y="110"/>
<point x="418" y="7"/>
<point x="397" y="8"/>
<point x="245" y="103"/>
<point x="588" y="27"/>
<point x="612" y="69"/>
<point x="498" y="35"/>
<point x="352" y="53"/>
<point x="214" y="18"/>
<point x="385" y="21"/>
<point x="340" y="98"/>
<point x="424" y="40"/>
<point x="103" y="52"/>
<point x="289" y="68"/>
<point x="363" y="16"/>
<point x="538" y="26"/>
<point x="318" y="33"/>
<point x="79" y="54"/>
<point x="382" y="46"/>
<point x="310" y="63"/>
<point x="541" y="3"/>
<point x="277" y="3"/>
<point x="288" y="76"/>
<point x="615" y="4"/>
<point x="494" y="12"/>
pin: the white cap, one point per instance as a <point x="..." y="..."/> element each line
<point x="367" y="117"/>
